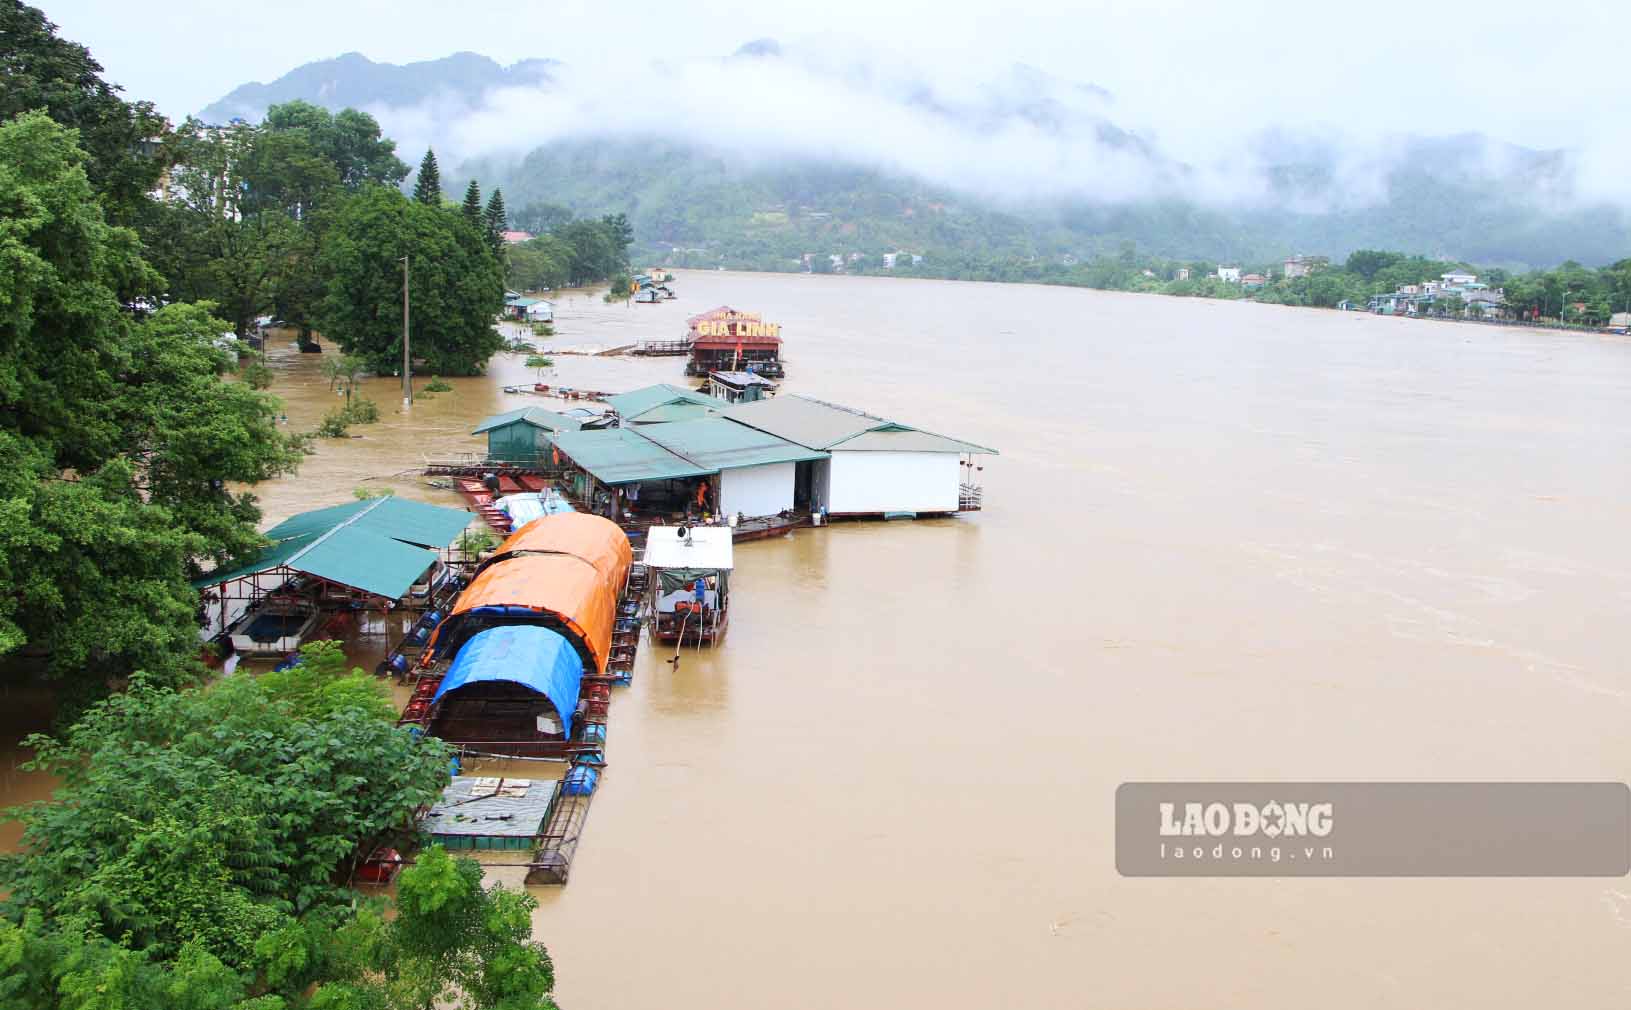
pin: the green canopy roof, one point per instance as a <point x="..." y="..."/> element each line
<point x="538" y="417"/>
<point x="633" y="404"/>
<point x="378" y="546"/>
<point x="621" y="456"/>
<point x="724" y="445"/>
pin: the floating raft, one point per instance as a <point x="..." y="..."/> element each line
<point x="496" y="814"/>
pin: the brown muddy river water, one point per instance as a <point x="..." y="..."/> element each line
<point x="1223" y="541"/>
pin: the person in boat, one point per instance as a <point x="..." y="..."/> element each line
<point x="702" y="495"/>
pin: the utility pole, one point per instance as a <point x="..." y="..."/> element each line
<point x="407" y="362"/>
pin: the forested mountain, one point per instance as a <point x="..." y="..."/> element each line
<point x="1081" y="185"/>
<point x="355" y="81"/>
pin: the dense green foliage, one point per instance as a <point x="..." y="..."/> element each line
<point x="198" y="850"/>
<point x="573" y="253"/>
<point x="456" y="283"/>
<point x="249" y="206"/>
<point x="38" y="70"/>
<point x="117" y="434"/>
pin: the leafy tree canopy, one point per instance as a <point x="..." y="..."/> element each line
<point x="39" y="70"/>
<point x="456" y="284"/>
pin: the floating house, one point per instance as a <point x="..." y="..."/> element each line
<point x="524" y="437"/>
<point x="739" y="387"/>
<point x="727" y="339"/>
<point x="873" y="466"/>
<point x="490" y="813"/>
<point x="663" y="403"/>
<point x="738" y="470"/>
<point x="529" y="310"/>
<point x="371" y="554"/>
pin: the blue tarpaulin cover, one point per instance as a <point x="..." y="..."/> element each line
<point x="533" y="657"/>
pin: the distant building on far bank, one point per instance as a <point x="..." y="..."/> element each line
<point x="1253" y="281"/>
<point x="1229" y="275"/>
<point x="517" y="237"/>
<point x="1302" y="266"/>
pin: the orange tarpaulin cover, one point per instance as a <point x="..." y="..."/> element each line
<point x="600" y="542"/>
<point x="568" y="587"/>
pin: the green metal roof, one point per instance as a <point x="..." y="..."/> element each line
<point x="620" y="456"/>
<point x="898" y="439"/>
<point x="821" y="425"/>
<point x="538" y="417"/>
<point x="636" y="402"/>
<point x="668" y="413"/>
<point x="377" y="545"/>
<point x="719" y="444"/>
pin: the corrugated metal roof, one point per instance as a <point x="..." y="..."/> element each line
<point x="365" y="560"/>
<point x="668" y="413"/>
<point x="491" y="807"/>
<point x="620" y="456"/>
<point x="821" y="425"/>
<point x="906" y="440"/>
<point x="636" y="402"/>
<point x="377" y="545"/>
<point x="538" y="417"/>
<point x="799" y="419"/>
<point x="742" y="379"/>
<point x="719" y="444"/>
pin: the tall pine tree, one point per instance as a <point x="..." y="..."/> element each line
<point x="472" y="205"/>
<point x="497" y="221"/>
<point x="428" y="187"/>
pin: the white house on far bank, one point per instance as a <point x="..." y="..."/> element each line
<point x="1229" y="275"/>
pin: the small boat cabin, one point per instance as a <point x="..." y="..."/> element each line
<point x="690" y="569"/>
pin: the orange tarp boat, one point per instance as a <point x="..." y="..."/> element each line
<point x="597" y="541"/>
<point x="565" y="587"/>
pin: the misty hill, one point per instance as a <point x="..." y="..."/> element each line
<point x="1075" y="183"/>
<point x="356" y="81"/>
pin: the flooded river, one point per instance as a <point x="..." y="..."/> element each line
<point x="1224" y="541"/>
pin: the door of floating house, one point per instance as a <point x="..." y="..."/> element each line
<point x="524" y="437"/>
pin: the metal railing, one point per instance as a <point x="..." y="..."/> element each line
<point x="969" y="497"/>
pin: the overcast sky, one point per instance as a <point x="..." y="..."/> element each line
<point x="1537" y="74"/>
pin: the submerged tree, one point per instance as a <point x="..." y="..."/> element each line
<point x="457" y="287"/>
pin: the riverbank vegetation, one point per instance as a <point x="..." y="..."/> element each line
<point x="200" y="852"/>
<point x="201" y="846"/>
<point x="571" y="253"/>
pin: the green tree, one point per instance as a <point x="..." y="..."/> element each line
<point x="457" y="286"/>
<point x="350" y="140"/>
<point x="121" y="139"/>
<point x="453" y="943"/>
<point x="117" y="437"/>
<point x="427" y="187"/>
<point x="472" y="205"/>
<point x="496" y="221"/>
